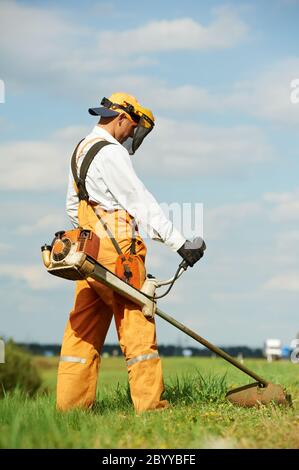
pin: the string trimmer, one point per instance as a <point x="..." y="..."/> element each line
<point x="75" y="259"/>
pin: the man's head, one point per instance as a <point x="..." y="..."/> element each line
<point x="125" y="119"/>
<point x="121" y="127"/>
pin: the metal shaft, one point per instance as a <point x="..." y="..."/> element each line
<point x="111" y="280"/>
<point x="210" y="346"/>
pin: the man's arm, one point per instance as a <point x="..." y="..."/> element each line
<point x="114" y="166"/>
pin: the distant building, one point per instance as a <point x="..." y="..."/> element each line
<point x="286" y="352"/>
<point x="294" y="344"/>
<point x="272" y="349"/>
<point x="187" y="352"/>
<point x="48" y="353"/>
<point x="294" y="350"/>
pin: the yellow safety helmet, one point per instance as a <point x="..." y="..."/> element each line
<point x="124" y="103"/>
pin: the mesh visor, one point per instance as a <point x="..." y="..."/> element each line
<point x="141" y="131"/>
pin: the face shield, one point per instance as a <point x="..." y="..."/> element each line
<point x="143" y="117"/>
<point x="144" y="127"/>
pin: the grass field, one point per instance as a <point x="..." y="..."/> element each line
<point x="199" y="416"/>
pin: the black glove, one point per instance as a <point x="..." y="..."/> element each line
<point x="191" y="252"/>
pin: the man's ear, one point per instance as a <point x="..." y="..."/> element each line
<point x="121" y="117"/>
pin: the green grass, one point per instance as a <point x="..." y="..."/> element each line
<point x="199" y="416"/>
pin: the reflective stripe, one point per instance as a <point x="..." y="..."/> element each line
<point x="81" y="360"/>
<point x="143" y="357"/>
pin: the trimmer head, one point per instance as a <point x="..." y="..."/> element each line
<point x="256" y="394"/>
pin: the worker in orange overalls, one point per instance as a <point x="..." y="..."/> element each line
<point x="112" y="201"/>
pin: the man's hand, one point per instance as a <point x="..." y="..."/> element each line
<point x="191" y="252"/>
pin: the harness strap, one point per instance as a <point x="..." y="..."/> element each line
<point x="83" y="194"/>
<point x="113" y="240"/>
<point x="133" y="244"/>
<point x="80" y="180"/>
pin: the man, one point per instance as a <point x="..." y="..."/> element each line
<point x="115" y="199"/>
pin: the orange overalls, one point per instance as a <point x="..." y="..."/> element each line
<point x="85" y="332"/>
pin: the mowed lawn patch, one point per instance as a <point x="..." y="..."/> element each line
<point x="199" y="416"/>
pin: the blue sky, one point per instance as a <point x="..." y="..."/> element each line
<point x="217" y="76"/>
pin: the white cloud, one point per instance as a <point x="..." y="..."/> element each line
<point x="288" y="211"/>
<point x="223" y="219"/>
<point x="178" y="149"/>
<point x="5" y="247"/>
<point x="280" y="198"/>
<point x="269" y="96"/>
<point x="246" y="296"/>
<point x="38" y="165"/>
<point x="36" y="277"/>
<point x="162" y="96"/>
<point x="227" y="30"/>
<point x="186" y="148"/>
<point x="31" y="218"/>
<point x="284" y="239"/>
<point x="285" y="205"/>
<point x="43" y="223"/>
<point x="284" y="282"/>
<point x="50" y="49"/>
<point x="286" y="248"/>
<point x="6" y="125"/>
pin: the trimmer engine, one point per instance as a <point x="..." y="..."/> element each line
<point x="72" y="254"/>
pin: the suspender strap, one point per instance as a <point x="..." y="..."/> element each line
<point x="133" y="244"/>
<point x="80" y="181"/>
<point x="83" y="194"/>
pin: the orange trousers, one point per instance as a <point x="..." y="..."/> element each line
<point x="86" y="329"/>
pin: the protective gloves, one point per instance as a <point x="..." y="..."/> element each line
<point x="191" y="252"/>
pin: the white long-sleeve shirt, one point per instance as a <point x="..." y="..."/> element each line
<point x="112" y="182"/>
